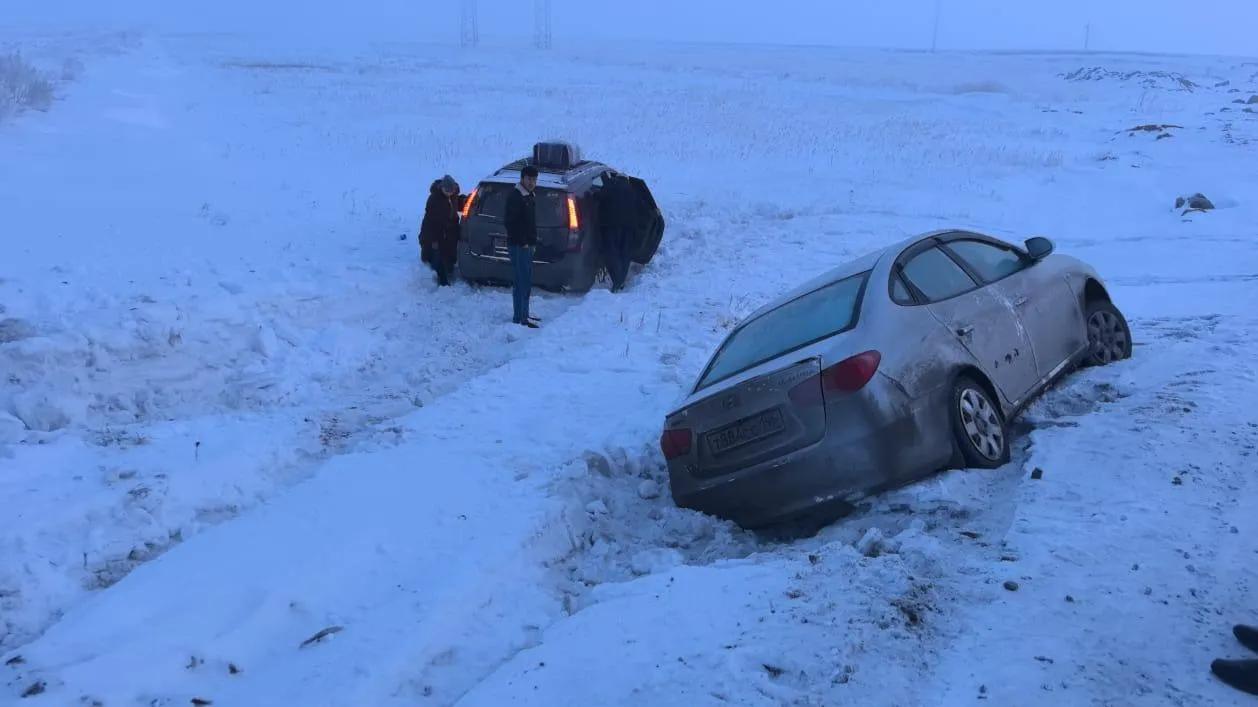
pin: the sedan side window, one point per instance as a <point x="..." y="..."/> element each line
<point x="937" y="276"/>
<point x="899" y="291"/>
<point x="991" y="262"/>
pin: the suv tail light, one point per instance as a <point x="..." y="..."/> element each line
<point x="467" y="205"/>
<point x="846" y="376"/>
<point x="574" y="226"/>
<point x="675" y="443"/>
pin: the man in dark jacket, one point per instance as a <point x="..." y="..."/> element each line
<point x="618" y="218"/>
<point x="520" y="220"/>
<point x="439" y="232"/>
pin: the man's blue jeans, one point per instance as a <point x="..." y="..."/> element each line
<point x="522" y="278"/>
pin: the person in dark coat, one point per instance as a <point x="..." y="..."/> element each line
<point x="618" y="220"/>
<point x="520" y="220"/>
<point x="439" y="232"/>
<point x="1240" y="674"/>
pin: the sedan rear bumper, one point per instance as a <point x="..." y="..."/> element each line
<point x="877" y="446"/>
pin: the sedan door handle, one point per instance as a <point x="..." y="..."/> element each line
<point x="1021" y="301"/>
<point x="965" y="331"/>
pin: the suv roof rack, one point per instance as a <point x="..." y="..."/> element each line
<point x="528" y="161"/>
<point x="563" y="175"/>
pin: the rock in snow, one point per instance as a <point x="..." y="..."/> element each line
<point x="648" y="489"/>
<point x="1196" y="202"/>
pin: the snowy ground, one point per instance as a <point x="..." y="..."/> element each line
<point x="234" y="412"/>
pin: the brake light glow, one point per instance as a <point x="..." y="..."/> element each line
<point x="467" y="205"/>
<point x="574" y="223"/>
<point x="675" y="443"/>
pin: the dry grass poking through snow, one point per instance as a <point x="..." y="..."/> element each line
<point x="22" y="86"/>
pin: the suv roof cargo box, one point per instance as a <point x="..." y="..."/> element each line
<point x="556" y="155"/>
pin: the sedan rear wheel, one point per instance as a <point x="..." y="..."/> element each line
<point x="979" y="426"/>
<point x="1109" y="339"/>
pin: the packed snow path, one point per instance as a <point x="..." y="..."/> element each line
<point x="372" y="492"/>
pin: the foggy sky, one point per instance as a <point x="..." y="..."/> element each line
<point x="1204" y="26"/>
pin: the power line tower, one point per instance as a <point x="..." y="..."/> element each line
<point x="469" y="25"/>
<point x="934" y="33"/>
<point x="541" y="24"/>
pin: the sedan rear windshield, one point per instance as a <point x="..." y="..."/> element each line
<point x="805" y="320"/>
<point x="552" y="204"/>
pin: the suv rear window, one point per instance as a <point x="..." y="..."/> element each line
<point x="552" y="205"/>
<point x="804" y="320"/>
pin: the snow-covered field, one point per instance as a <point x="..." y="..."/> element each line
<point x="236" y="414"/>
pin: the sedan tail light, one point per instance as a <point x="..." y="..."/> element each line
<point x="850" y="375"/>
<point x="467" y="205"/>
<point x="675" y="443"/>
<point x="846" y="376"/>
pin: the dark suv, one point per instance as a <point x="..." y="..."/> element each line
<point x="569" y="252"/>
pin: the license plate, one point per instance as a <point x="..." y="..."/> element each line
<point x="745" y="432"/>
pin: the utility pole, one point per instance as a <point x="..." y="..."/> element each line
<point x="1087" y="37"/>
<point x="541" y="24"/>
<point x="469" y="25"/>
<point x="934" y="34"/>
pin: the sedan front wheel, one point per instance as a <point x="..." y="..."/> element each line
<point x="1109" y="339"/>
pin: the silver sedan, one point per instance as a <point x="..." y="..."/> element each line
<point x="884" y="370"/>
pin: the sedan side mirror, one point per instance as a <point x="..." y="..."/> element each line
<point x="1039" y="248"/>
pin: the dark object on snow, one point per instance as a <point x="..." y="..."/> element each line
<point x="1148" y="79"/>
<point x="35" y="689"/>
<point x="1253" y="100"/>
<point x="1240" y="674"/>
<point x="321" y="635"/>
<point x="1196" y="202"/>
<point x="439" y="232"/>
<point x="1037" y="473"/>
<point x="1070" y="599"/>
<point x="232" y="669"/>
<point x="1154" y="128"/>
<point x="15" y="660"/>
<point x="15" y="330"/>
<point x="1247" y="635"/>
<point x="1011" y="585"/>
<point x="198" y="702"/>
